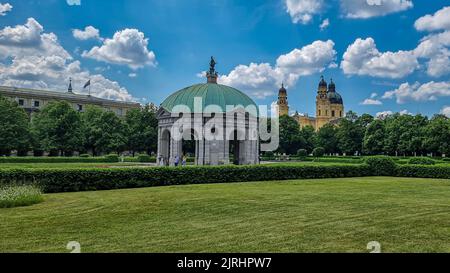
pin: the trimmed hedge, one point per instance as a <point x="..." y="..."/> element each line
<point x="70" y="180"/>
<point x="104" y="159"/>
<point x="423" y="171"/>
<point x="421" y="161"/>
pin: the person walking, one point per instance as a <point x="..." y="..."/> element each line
<point x="177" y="161"/>
<point x="184" y="160"/>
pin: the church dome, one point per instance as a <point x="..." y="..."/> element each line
<point x="211" y="94"/>
<point x="282" y="90"/>
<point x="323" y="83"/>
<point x="332" y="86"/>
<point x="335" y="98"/>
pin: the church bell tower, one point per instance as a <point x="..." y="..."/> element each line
<point x="283" y="106"/>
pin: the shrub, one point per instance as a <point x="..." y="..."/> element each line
<point x="318" y="152"/>
<point x="446" y="159"/>
<point x="112" y="158"/>
<point x="423" y="171"/>
<point x="68" y="180"/>
<point x="381" y="165"/>
<point x="19" y="195"/>
<point x="302" y="153"/>
<point x="269" y="155"/>
<point x="146" y="159"/>
<point x="85" y="155"/>
<point x="106" y="159"/>
<point x="339" y="160"/>
<point x="421" y="161"/>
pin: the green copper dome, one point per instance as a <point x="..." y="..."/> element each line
<point x="211" y="94"/>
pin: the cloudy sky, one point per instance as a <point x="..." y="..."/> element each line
<point x="384" y="55"/>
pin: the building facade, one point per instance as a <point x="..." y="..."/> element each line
<point x="33" y="100"/>
<point x="329" y="106"/>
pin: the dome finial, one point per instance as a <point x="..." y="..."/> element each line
<point x="70" y="89"/>
<point x="212" y="74"/>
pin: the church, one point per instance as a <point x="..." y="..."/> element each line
<point x="329" y="106"/>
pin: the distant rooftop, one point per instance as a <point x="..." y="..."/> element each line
<point x="60" y="95"/>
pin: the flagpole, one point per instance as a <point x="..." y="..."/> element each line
<point x="89" y="87"/>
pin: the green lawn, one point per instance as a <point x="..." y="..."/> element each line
<point x="331" y="215"/>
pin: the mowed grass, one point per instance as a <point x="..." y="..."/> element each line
<point x="330" y="215"/>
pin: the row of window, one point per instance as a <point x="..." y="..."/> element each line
<point x="333" y="113"/>
<point x="37" y="104"/>
<point x="78" y="107"/>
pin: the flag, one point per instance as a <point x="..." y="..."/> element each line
<point x="87" y="84"/>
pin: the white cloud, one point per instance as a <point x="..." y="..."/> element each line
<point x="132" y="75"/>
<point x="308" y="60"/>
<point x="430" y="91"/>
<point x="127" y="47"/>
<point x="89" y="32"/>
<point x="438" y="21"/>
<point x="262" y="80"/>
<point x="405" y="112"/>
<point x="302" y="11"/>
<point x="385" y="114"/>
<point x="28" y="40"/>
<point x="363" y="9"/>
<point x="74" y="2"/>
<point x="435" y="48"/>
<point x="371" y="102"/>
<point x="5" y="8"/>
<point x="325" y="24"/>
<point x="446" y="111"/>
<point x="363" y="58"/>
<point x="37" y="60"/>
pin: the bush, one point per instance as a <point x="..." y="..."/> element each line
<point x="423" y="171"/>
<point x="112" y="158"/>
<point x="106" y="159"/>
<point x="318" y="152"/>
<point x="381" y="165"/>
<point x="18" y="196"/>
<point x="339" y="160"/>
<point x="85" y="155"/>
<point x="421" y="161"/>
<point x="446" y="159"/>
<point x="146" y="159"/>
<point x="302" y="153"/>
<point x="69" y="180"/>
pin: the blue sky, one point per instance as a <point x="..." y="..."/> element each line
<point x="394" y="55"/>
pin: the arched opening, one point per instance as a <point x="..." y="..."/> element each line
<point x="235" y="148"/>
<point x="189" y="145"/>
<point x="165" y="147"/>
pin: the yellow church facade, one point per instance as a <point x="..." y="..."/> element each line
<point x="329" y="106"/>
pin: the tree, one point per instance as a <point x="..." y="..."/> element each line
<point x="290" y="139"/>
<point x="14" y="128"/>
<point x="58" y="127"/>
<point x="309" y="135"/>
<point x="92" y="129"/>
<point x="374" y="138"/>
<point x="350" y="133"/>
<point x="437" y="135"/>
<point x="326" y="138"/>
<point x="142" y="129"/>
<point x="112" y="137"/>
